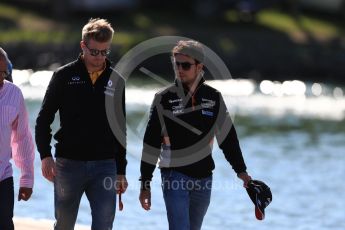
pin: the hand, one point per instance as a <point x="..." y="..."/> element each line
<point x="121" y="184"/>
<point x="245" y="177"/>
<point x="24" y="193"/>
<point x="48" y="168"/>
<point x="145" y="199"/>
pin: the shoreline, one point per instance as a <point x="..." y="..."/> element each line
<point x="23" y="223"/>
<point x="286" y="59"/>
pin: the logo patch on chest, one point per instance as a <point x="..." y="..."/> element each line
<point x="207" y="113"/>
<point x="207" y="104"/>
<point x="178" y="109"/>
<point x="75" y="80"/>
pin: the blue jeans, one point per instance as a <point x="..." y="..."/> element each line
<point x="6" y="204"/>
<point x="97" y="180"/>
<point x="186" y="199"/>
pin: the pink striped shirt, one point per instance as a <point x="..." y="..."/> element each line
<point x="15" y="137"/>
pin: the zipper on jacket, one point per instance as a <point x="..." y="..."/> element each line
<point x="193" y="102"/>
<point x="193" y="97"/>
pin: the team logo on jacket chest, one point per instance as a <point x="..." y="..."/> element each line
<point x="75" y="80"/>
<point x="177" y="106"/>
<point x="175" y="100"/>
<point x="207" y="103"/>
<point x="177" y="109"/>
<point x="207" y="106"/>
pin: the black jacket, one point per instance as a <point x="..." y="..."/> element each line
<point x="185" y="125"/>
<point x="84" y="132"/>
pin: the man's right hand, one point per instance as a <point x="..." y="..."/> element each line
<point x="48" y="168"/>
<point x="145" y="199"/>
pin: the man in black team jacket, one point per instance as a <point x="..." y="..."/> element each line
<point x="184" y="119"/>
<point x="89" y="158"/>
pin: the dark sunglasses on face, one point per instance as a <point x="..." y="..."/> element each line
<point x="185" y="65"/>
<point x="95" y="52"/>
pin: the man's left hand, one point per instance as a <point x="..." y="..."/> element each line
<point x="245" y="177"/>
<point x="24" y="193"/>
<point x="121" y="184"/>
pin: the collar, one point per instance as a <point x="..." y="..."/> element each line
<point x="107" y="64"/>
<point x="98" y="72"/>
<point x="177" y="82"/>
<point x="4" y="85"/>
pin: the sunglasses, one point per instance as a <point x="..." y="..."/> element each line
<point x="185" y="65"/>
<point x="95" y="52"/>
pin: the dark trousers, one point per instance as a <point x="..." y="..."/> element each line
<point x="6" y="204"/>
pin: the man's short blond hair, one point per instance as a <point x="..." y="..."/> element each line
<point x="190" y="48"/>
<point x="97" y="29"/>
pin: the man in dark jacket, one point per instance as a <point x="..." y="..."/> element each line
<point x="183" y="121"/>
<point x="89" y="158"/>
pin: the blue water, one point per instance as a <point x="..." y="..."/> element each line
<point x="295" y="144"/>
